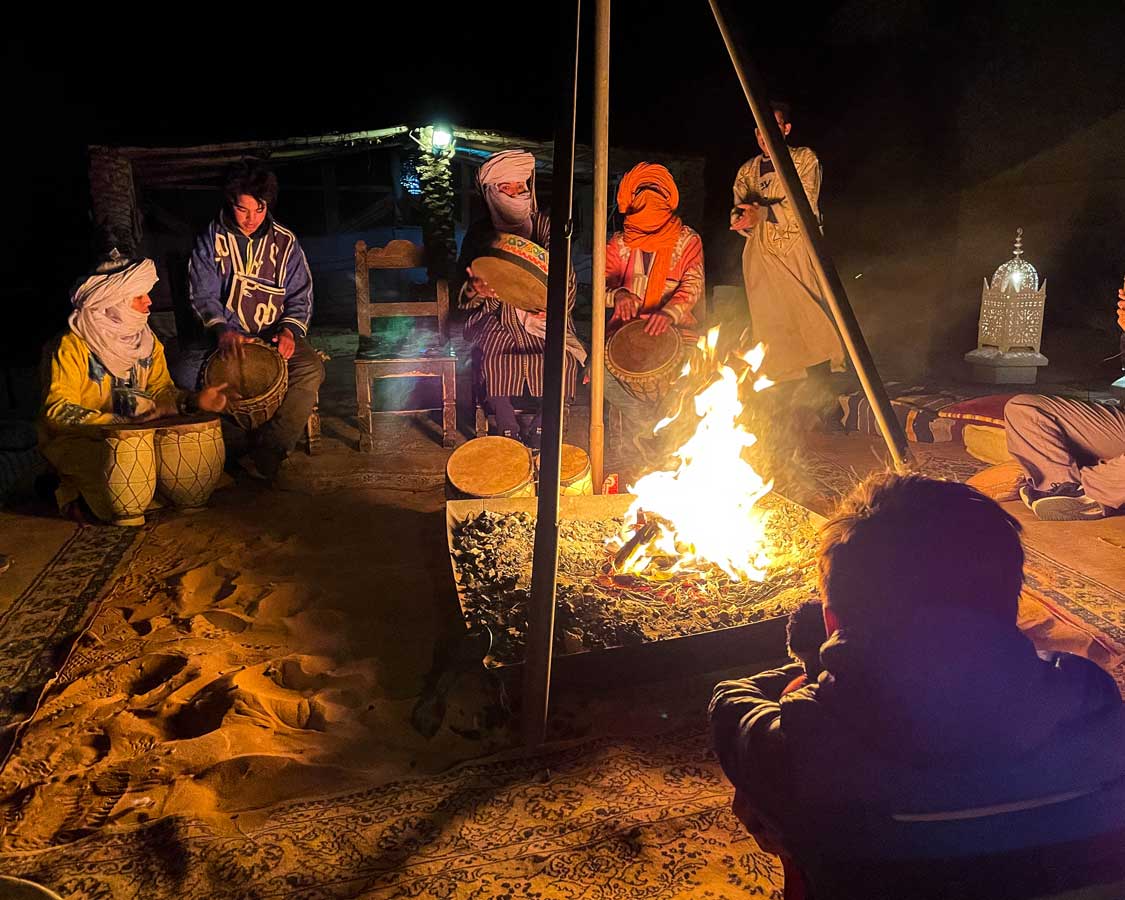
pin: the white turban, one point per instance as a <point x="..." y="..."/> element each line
<point x="104" y="318"/>
<point x="509" y="214"/>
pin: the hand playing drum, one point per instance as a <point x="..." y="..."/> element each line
<point x="626" y="306"/>
<point x="478" y="287"/>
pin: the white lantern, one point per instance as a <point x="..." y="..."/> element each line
<point x="1011" y="323"/>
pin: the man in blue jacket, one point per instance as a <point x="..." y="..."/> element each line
<point x="933" y="709"/>
<point x="248" y="278"/>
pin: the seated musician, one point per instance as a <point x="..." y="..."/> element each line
<point x="653" y="269"/>
<point x="108" y="368"/>
<point x="249" y="279"/>
<point x="510" y="341"/>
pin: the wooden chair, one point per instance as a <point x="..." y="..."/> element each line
<point x="423" y="353"/>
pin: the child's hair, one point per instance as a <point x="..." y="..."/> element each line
<point x="805" y="631"/>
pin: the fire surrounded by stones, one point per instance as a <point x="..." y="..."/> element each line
<point x="705" y="508"/>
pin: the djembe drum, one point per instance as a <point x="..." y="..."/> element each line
<point x="516" y="269"/>
<point x="129" y="467"/>
<point x="488" y="467"/>
<point x="644" y="364"/>
<point x="257" y="374"/>
<point x="189" y="459"/>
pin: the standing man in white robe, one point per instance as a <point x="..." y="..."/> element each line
<point x="788" y="312"/>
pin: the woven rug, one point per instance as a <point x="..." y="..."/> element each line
<point x="605" y="820"/>
<point x="43" y="621"/>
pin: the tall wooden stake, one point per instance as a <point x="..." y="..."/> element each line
<point x="544" y="567"/>
<point x="755" y="91"/>
<point x="601" y="214"/>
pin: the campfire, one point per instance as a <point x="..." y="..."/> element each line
<point x="701" y="547"/>
<point x="705" y="510"/>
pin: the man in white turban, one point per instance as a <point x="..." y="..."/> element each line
<point x="509" y="341"/>
<point x="108" y="368"/>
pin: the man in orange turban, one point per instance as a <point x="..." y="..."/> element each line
<point x="654" y="270"/>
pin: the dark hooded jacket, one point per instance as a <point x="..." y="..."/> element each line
<point x="950" y="712"/>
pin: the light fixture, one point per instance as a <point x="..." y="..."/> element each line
<point x="442" y="137"/>
<point x="1011" y="323"/>
<point x="436" y="140"/>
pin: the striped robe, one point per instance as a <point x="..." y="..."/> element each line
<point x="511" y="360"/>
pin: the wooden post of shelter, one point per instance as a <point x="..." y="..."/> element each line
<point x="754" y="89"/>
<point x="601" y="209"/>
<point x="544" y="567"/>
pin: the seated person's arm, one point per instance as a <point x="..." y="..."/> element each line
<point x="63" y="407"/>
<point x="298" y="294"/>
<point x="205" y="284"/>
<point x="746" y="727"/>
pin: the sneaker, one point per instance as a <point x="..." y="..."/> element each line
<point x="1062" y="503"/>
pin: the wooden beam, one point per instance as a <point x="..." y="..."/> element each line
<point x="601" y="216"/>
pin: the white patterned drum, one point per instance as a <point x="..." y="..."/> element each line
<point x="574" y="471"/>
<point x="189" y="459"/>
<point x="129" y="466"/>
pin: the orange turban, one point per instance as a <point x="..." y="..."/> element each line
<point x="648" y="197"/>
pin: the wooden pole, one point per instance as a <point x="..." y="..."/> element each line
<point x="754" y="89"/>
<point x="544" y="567"/>
<point x="601" y="211"/>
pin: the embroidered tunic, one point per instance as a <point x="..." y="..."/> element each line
<point x="251" y="284"/>
<point x="628" y="269"/>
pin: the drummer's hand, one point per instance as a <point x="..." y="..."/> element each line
<point x="212" y="398"/>
<point x="626" y="305"/>
<point x="748" y="216"/>
<point x="229" y="339"/>
<point x="478" y="287"/>
<point x="658" y="323"/>
<point x="285" y="342"/>
<point x="1121" y="309"/>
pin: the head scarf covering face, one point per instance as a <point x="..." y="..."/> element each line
<point x="105" y="319"/>
<point x="648" y="197"/>
<point x="509" y="214"/>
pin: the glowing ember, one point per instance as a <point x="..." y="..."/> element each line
<point x="703" y="511"/>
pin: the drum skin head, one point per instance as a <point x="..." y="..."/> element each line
<point x="261" y="369"/>
<point x="516" y="269"/>
<point x="489" y="466"/>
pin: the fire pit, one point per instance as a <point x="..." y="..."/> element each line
<point x="635" y="624"/>
<point x="698" y="566"/>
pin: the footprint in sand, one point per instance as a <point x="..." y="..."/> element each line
<point x="152" y="671"/>
<point x="223" y="620"/>
<point x="205" y="711"/>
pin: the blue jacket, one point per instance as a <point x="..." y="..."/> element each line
<point x="252" y="284"/>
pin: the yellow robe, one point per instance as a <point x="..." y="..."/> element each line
<point x="81" y="395"/>
<point x="787" y="308"/>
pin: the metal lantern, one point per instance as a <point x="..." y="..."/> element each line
<point x="1011" y="323"/>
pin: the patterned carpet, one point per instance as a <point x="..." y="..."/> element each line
<point x="607" y="820"/>
<point x="40" y="625"/>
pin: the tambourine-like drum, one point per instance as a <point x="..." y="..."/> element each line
<point x="645" y="364"/>
<point x="189" y="459"/>
<point x="574" y="471"/>
<point x="491" y="466"/>
<point x="129" y="467"/>
<point x="258" y="374"/>
<point x="516" y="269"/>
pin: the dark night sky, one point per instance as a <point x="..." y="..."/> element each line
<point x="894" y="94"/>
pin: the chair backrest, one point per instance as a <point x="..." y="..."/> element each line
<point x="397" y="254"/>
